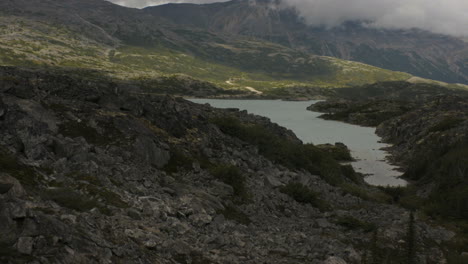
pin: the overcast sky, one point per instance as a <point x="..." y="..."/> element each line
<point x="440" y="16"/>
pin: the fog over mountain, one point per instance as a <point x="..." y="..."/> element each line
<point x="145" y="3"/>
<point x="447" y="17"/>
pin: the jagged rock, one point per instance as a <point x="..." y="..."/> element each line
<point x="135" y="233"/>
<point x="69" y="218"/>
<point x="134" y="214"/>
<point x="151" y="244"/>
<point x="334" y="260"/>
<point x="323" y="223"/>
<point x="181" y="248"/>
<point x="221" y="189"/>
<point x="150" y="152"/>
<point x="352" y="255"/>
<point x="25" y="245"/>
<point x="272" y="181"/>
<point x="200" y="219"/>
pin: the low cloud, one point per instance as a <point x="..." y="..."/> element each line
<point x="145" y="3"/>
<point x="446" y="17"/>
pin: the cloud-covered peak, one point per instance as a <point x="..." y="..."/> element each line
<point x="145" y="3"/>
<point x="446" y="17"/>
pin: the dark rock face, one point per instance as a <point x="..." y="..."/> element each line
<point x="88" y="181"/>
<point x="3" y="108"/>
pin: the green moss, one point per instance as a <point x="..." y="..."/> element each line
<point x="396" y="193"/>
<point x="71" y="199"/>
<point x="302" y="194"/>
<point x="24" y="174"/>
<point x="75" y="200"/>
<point x="364" y="194"/>
<point x="108" y="197"/>
<point x="232" y="213"/>
<point x="231" y="175"/>
<point x="109" y="134"/>
<point x="58" y="108"/>
<point x="448" y="172"/>
<point x="456" y="258"/>
<point x="179" y="160"/>
<point x="446" y="124"/>
<point x="349" y="172"/>
<point x="404" y="196"/>
<point x="337" y="152"/>
<point x="352" y="223"/>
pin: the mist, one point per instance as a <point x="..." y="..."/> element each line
<point x="445" y="17"/>
<point x="145" y="3"/>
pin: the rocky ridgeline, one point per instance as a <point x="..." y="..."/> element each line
<point x="93" y="172"/>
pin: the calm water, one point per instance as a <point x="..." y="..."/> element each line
<point x="362" y="141"/>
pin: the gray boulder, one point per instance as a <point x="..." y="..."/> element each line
<point x="25" y="245"/>
<point x="10" y="187"/>
<point x="151" y="153"/>
<point x="334" y="260"/>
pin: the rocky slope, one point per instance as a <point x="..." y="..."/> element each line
<point x="420" y="53"/>
<point x="91" y="171"/>
<point x="370" y="105"/>
<point x="429" y="139"/>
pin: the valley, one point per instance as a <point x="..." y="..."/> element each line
<point x="233" y="132"/>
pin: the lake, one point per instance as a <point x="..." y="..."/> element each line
<point x="362" y="141"/>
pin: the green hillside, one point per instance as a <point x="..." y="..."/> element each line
<point x="240" y="64"/>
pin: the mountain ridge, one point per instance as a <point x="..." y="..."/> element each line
<point x="143" y="46"/>
<point x="418" y="52"/>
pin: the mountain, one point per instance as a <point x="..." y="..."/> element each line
<point x="417" y="52"/>
<point x="135" y="44"/>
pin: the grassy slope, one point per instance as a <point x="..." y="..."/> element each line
<point x="26" y="42"/>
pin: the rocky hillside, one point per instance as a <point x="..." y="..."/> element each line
<point x="429" y="138"/>
<point x="370" y="105"/>
<point x="417" y="52"/>
<point x="91" y="171"/>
